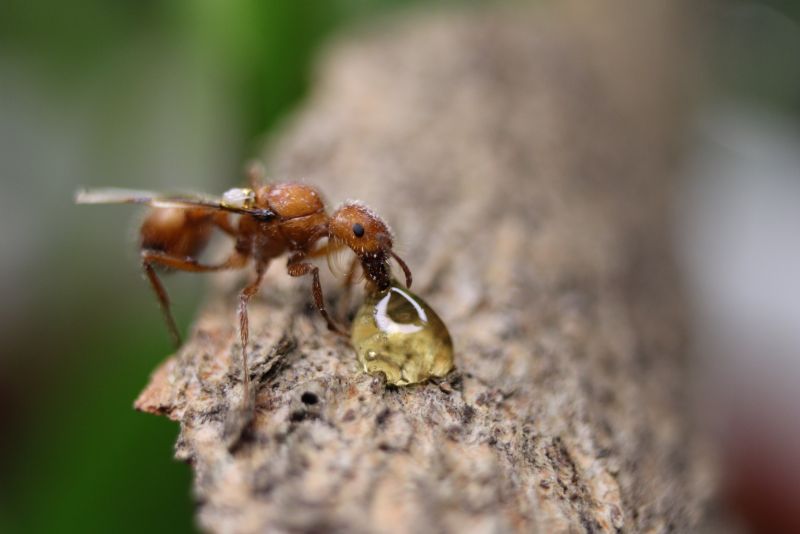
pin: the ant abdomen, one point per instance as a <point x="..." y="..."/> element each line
<point x="179" y="232"/>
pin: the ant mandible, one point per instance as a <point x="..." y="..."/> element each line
<point x="274" y="219"/>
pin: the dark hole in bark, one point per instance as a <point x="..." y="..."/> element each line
<point x="309" y="398"/>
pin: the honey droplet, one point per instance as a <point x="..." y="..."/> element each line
<point x="397" y="333"/>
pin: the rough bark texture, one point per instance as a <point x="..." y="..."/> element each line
<point x="526" y="179"/>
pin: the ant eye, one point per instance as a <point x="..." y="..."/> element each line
<point x="358" y="230"/>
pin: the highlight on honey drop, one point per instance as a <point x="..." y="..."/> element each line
<point x="397" y="333"/>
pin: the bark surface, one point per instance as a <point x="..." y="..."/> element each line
<point x="523" y="159"/>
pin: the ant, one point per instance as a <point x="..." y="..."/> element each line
<point x="273" y="219"/>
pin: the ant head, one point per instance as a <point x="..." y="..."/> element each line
<point x="362" y="231"/>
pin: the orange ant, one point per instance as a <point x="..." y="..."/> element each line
<point x="273" y="219"/>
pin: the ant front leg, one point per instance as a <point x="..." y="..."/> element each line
<point x="150" y="258"/>
<point x="295" y="267"/>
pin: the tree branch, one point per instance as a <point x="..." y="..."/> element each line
<point x="529" y="194"/>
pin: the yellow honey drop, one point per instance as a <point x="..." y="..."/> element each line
<point x="395" y="332"/>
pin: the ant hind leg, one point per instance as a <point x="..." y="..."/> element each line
<point x="152" y="257"/>
<point x="163" y="301"/>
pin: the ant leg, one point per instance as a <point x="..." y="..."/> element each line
<point x="295" y="268"/>
<point x="244" y="326"/>
<point x="234" y="261"/>
<point x="223" y="222"/>
<point x="163" y="300"/>
<point x="151" y="257"/>
<point x="256" y="174"/>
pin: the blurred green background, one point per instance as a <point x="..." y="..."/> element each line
<point x="166" y="95"/>
<point x="145" y="94"/>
